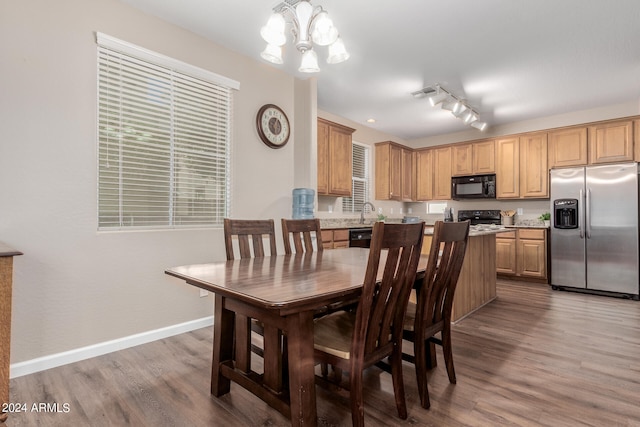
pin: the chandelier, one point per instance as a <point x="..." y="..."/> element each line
<point x="447" y="101"/>
<point x="310" y="26"/>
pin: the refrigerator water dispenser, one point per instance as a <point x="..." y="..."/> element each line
<point x="565" y="213"/>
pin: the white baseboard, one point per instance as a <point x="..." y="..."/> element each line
<point x="71" y="356"/>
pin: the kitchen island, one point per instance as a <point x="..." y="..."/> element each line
<point x="477" y="282"/>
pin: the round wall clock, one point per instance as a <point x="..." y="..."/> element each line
<point x="273" y="126"/>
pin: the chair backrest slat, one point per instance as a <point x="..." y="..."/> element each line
<point x="446" y="256"/>
<point x="299" y="230"/>
<point x="380" y="313"/>
<point x="250" y="233"/>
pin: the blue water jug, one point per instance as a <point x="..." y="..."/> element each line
<point x="303" y="200"/>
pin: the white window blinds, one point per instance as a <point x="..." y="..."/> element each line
<point x="360" y="179"/>
<point x="163" y="141"/>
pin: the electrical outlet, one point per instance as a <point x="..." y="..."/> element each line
<point x="409" y="210"/>
<point x="380" y="211"/>
<point x="203" y="293"/>
<point x="391" y="211"/>
<point x="400" y="211"/>
<point x="519" y="211"/>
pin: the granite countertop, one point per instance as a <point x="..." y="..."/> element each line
<point x="475" y="230"/>
<point x="334" y="223"/>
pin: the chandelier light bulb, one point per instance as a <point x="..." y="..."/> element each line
<point x="272" y="54"/>
<point x="309" y="63"/>
<point x="337" y="52"/>
<point x="273" y="32"/>
<point x="324" y="33"/>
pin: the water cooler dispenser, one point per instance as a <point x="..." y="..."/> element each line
<point x="303" y="201"/>
<point x="565" y="213"/>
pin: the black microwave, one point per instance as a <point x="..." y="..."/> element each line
<point x="473" y="187"/>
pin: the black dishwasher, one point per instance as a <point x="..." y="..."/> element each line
<point x="360" y="237"/>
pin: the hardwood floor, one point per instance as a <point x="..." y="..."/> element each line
<point x="533" y="357"/>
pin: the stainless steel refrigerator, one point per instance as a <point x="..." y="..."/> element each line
<point x="594" y="229"/>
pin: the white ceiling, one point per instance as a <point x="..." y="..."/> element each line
<point x="512" y="60"/>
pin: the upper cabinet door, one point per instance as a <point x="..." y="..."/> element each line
<point x="484" y="157"/>
<point x="340" y="152"/>
<point x="568" y="147"/>
<point x="388" y="179"/>
<point x="323" y="157"/>
<point x="442" y="173"/>
<point x="534" y="173"/>
<point x="611" y="142"/>
<point x="424" y="175"/>
<point x="408" y="177"/>
<point x="334" y="159"/>
<point x="508" y="168"/>
<point x="462" y="163"/>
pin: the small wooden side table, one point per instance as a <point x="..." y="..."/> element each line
<point x="6" y="281"/>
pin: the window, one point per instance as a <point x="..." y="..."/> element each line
<point x="360" y="179"/>
<point x="163" y="140"/>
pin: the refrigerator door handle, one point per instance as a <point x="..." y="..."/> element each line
<point x="588" y="214"/>
<point x="581" y="213"/>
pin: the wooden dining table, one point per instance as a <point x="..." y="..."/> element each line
<point x="283" y="292"/>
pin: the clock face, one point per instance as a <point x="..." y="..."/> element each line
<point x="273" y="126"/>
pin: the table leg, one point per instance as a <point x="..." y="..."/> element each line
<point x="301" y="369"/>
<point x="273" y="358"/>
<point x="222" y="346"/>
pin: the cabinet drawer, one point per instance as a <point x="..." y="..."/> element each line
<point x="327" y="235"/>
<point x="530" y="233"/>
<point x="340" y="235"/>
<point x="341" y="244"/>
<point x="509" y="235"/>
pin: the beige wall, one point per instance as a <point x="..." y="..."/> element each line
<point x="76" y="286"/>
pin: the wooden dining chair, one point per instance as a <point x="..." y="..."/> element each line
<point x="354" y="341"/>
<point x="300" y="232"/>
<point x="431" y="315"/>
<point x="250" y="234"/>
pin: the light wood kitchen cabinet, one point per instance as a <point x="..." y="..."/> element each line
<point x="473" y="158"/>
<point x="388" y="180"/>
<point x="636" y="140"/>
<point x="462" y="163"/>
<point x="611" y="142"/>
<point x="568" y="147"/>
<point x="522" y="170"/>
<point x="334" y="159"/>
<point x="424" y="175"/>
<point x="508" y="168"/>
<point x="408" y="177"/>
<point x="335" y="238"/>
<point x="506" y="253"/>
<point x="532" y="253"/>
<point x="534" y="173"/>
<point x="484" y="157"/>
<point x="442" y="173"/>
<point x="522" y="253"/>
<point x="394" y="172"/>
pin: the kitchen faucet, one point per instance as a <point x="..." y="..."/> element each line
<point x="373" y="208"/>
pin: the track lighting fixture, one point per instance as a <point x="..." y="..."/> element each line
<point x="458" y="107"/>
